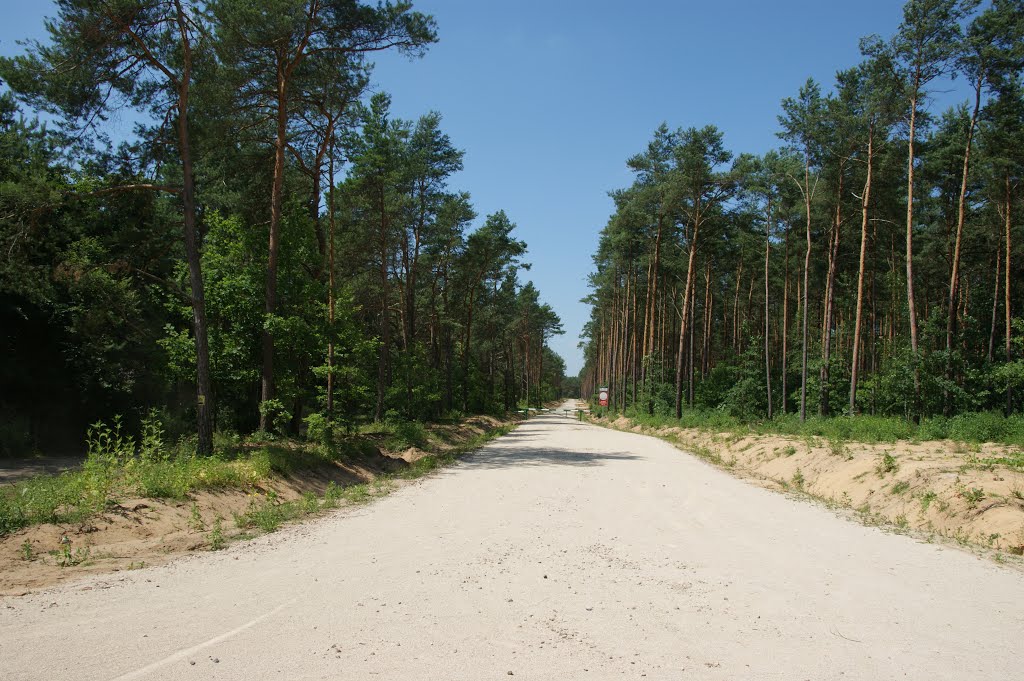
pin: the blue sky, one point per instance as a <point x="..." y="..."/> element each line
<point x="548" y="99"/>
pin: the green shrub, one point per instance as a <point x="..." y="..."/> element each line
<point x="798" y="479"/>
<point x="406" y="434"/>
<point x="973" y="496"/>
<point x="318" y="428"/>
<point x="277" y="416"/>
<point x="216" y="536"/>
<point x="987" y="426"/>
<point x="886" y="464"/>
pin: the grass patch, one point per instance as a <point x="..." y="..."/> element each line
<point x="269" y="514"/>
<point x="977" y="427"/>
<point x="118" y="466"/>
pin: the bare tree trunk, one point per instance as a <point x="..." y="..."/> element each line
<point x="270" y="302"/>
<point x="708" y="300"/>
<point x="652" y="289"/>
<point x="911" y="310"/>
<point x="736" y="308"/>
<point x="634" y="361"/>
<point x="826" y="336"/>
<point x="785" y="328"/>
<point x="1007" y="250"/>
<point x="807" y="269"/>
<point x="622" y="368"/>
<point x="330" y="287"/>
<point x="874" y="311"/>
<point x="995" y="300"/>
<point x="383" y="361"/>
<point x="767" y="327"/>
<point x="465" y="354"/>
<point x="689" y="379"/>
<point x="954" y="275"/>
<point x="684" y="315"/>
<point x="204" y="392"/>
<point x="864" y="203"/>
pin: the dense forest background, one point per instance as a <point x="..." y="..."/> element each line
<point x="871" y="264"/>
<point x="270" y="249"/>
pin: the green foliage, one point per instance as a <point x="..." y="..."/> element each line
<point x="318" y="428"/>
<point x="972" y="496"/>
<point x="66" y="557"/>
<point x="96" y="296"/>
<point x="276" y="414"/>
<point x="195" y="519"/>
<point x="837" y="447"/>
<point x="405" y="434"/>
<point x="216" y="537"/>
<point x="783" y="304"/>
<point x="886" y="464"/>
<point x="975" y="427"/>
<point x="798" y="479"/>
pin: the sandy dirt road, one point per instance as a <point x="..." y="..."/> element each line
<point x="562" y="551"/>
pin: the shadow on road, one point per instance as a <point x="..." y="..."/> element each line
<point x="514" y="455"/>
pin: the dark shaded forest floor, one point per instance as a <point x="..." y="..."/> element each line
<point x="12" y="470"/>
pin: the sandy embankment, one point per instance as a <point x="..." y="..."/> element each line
<point x="955" y="490"/>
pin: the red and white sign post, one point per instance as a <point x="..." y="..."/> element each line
<point x="602" y="396"/>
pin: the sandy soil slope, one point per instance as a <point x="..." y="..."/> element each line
<point x="952" y="490"/>
<point x="140" y="532"/>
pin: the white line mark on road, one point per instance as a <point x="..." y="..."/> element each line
<point x="181" y="654"/>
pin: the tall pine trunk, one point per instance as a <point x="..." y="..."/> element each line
<point x="807" y="270"/>
<point x="954" y="275"/>
<point x="864" y="204"/>
<point x="911" y="309"/>
<point x="824" y="407"/>
<point x="204" y="392"/>
<point x="684" y="317"/>
<point x="276" y="191"/>
<point x="383" y="361"/>
<point x="767" y="328"/>
<point x="785" y="326"/>
<point x="330" y="287"/>
<point x="1007" y="250"/>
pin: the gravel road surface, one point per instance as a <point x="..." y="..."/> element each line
<point x="561" y="551"/>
